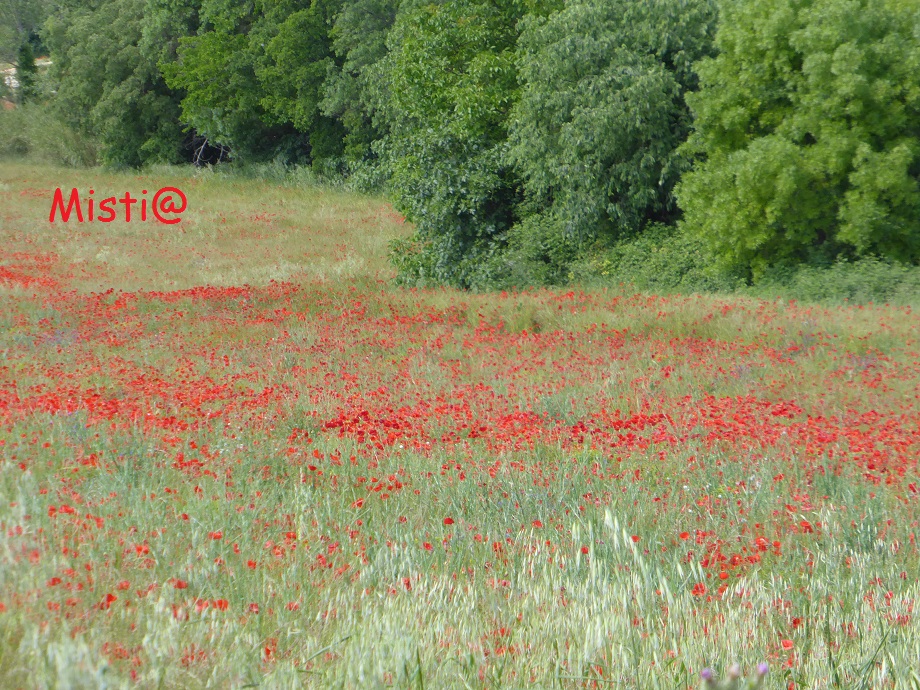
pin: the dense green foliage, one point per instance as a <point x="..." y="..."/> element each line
<point x="25" y="72"/>
<point x="686" y="144"/>
<point x="253" y="78"/>
<point x="352" y="90"/>
<point x="602" y="112"/>
<point x="451" y="80"/>
<point x="569" y="139"/>
<point x="808" y="122"/>
<point x="20" y="21"/>
<point x="106" y="78"/>
<point x="36" y="133"/>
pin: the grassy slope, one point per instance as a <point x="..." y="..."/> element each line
<point x="327" y="481"/>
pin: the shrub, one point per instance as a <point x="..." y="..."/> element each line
<point x="537" y="252"/>
<point x="35" y="133"/>
<point x="870" y="279"/>
<point x="662" y="259"/>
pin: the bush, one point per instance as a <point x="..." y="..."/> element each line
<point x="537" y="252"/>
<point x="34" y="133"/>
<point x="662" y="259"/>
<point x="870" y="279"/>
<point x="666" y="260"/>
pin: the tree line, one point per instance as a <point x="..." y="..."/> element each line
<point x="522" y="136"/>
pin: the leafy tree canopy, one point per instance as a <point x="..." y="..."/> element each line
<point x="253" y="77"/>
<point x="601" y="113"/>
<point x="106" y="77"/>
<point x="20" y="22"/>
<point x="808" y="132"/>
<point x="353" y="90"/>
<point x="451" y="80"/>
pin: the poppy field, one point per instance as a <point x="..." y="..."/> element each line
<point x="233" y="454"/>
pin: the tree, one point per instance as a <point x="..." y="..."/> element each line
<point x="222" y="96"/>
<point x="601" y="114"/>
<point x="25" y="72"/>
<point x="451" y="80"/>
<point x="808" y="134"/>
<point x="352" y="91"/>
<point x="20" y="21"/>
<point x="253" y="78"/>
<point x="107" y="82"/>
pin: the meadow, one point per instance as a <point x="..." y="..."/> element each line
<point x="234" y="454"/>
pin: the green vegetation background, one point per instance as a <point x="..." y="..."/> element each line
<point x="770" y="147"/>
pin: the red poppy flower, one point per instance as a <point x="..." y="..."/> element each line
<point x="448" y="521"/>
